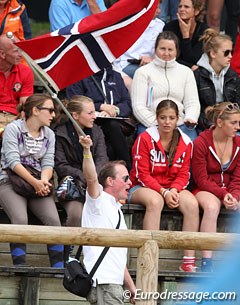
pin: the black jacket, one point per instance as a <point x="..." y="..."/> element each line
<point x="190" y="49"/>
<point x="66" y="161"/>
<point x="207" y="93"/>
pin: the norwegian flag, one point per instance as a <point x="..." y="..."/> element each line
<point x="87" y="46"/>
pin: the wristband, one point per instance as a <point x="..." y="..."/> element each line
<point x="165" y="193"/>
<point x="117" y="110"/>
<point x="89" y="156"/>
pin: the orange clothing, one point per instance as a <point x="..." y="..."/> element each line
<point x="14" y="19"/>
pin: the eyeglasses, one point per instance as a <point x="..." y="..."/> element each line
<point x="125" y="178"/>
<point x="50" y="110"/>
<point x="227" y="52"/>
<point x="229" y="107"/>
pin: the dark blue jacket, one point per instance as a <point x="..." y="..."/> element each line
<point x="116" y="91"/>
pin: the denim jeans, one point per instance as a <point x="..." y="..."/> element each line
<point x="169" y="9"/>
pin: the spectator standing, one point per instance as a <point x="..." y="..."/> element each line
<point x="69" y="157"/>
<point x="216" y="81"/>
<point x="65" y="12"/>
<point x="29" y="142"/>
<point x="168" y="10"/>
<point x="160" y="174"/>
<point x="165" y="78"/>
<point x="142" y="49"/>
<point x="16" y="81"/>
<point x="216" y="168"/>
<point x="189" y="27"/>
<point x="14" y="18"/>
<point x="102" y="210"/>
<point x="112" y="101"/>
<point x="214" y="13"/>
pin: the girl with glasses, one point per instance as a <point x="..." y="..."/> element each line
<point x="160" y="174"/>
<point x="216" y="81"/>
<point x="30" y="143"/>
<point x="216" y="168"/>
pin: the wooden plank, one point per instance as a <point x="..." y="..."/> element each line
<point x="9" y="288"/>
<point x="29" y="290"/>
<point x="9" y="302"/>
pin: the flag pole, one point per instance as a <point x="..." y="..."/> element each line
<point x="37" y="71"/>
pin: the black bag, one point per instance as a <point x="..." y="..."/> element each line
<point x="76" y="278"/>
<point x="70" y="189"/>
<point x="21" y="186"/>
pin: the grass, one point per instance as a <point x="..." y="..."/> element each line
<point x="39" y="28"/>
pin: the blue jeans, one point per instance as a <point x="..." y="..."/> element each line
<point x="192" y="133"/>
<point x="169" y="9"/>
<point x="130" y="69"/>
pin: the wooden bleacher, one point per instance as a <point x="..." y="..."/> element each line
<point x="42" y="285"/>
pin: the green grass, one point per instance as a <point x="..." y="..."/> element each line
<point x="39" y="28"/>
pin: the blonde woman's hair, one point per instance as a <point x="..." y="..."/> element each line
<point x="221" y="111"/>
<point x="212" y="40"/>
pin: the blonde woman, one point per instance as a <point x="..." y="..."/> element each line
<point x="216" y="168"/>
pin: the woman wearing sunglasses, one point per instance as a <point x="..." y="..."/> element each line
<point x="216" y="81"/>
<point x="29" y="142"/>
<point x="216" y="168"/>
<point x="160" y="174"/>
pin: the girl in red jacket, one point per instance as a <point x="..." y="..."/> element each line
<point x="160" y="174"/>
<point x="216" y="167"/>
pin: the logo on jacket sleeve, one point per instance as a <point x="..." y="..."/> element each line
<point x="17" y="87"/>
<point x="137" y="157"/>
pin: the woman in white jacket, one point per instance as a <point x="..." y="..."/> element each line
<point x="164" y="78"/>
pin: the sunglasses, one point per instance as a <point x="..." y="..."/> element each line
<point x="227" y="52"/>
<point x="50" y="110"/>
<point x="229" y="107"/>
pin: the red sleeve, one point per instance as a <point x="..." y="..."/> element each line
<point x="199" y="170"/>
<point x="234" y="185"/>
<point x="141" y="164"/>
<point x="183" y="174"/>
<point x="27" y="83"/>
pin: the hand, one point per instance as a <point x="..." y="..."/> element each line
<point x="194" y="67"/>
<point x="185" y="26"/>
<point x="190" y="123"/>
<point x="110" y="109"/>
<point x="42" y="187"/>
<point x="104" y="114"/>
<point x="172" y="199"/>
<point x="230" y="202"/>
<point x="145" y="60"/>
<point x="86" y="142"/>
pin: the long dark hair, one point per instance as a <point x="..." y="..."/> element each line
<point x="169" y="104"/>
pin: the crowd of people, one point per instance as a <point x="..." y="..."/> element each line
<point x="185" y="98"/>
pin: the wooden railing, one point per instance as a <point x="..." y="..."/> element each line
<point x="148" y="243"/>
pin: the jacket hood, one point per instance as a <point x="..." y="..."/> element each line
<point x="153" y="132"/>
<point x="204" y="62"/>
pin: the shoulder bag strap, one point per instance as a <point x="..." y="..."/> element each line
<point x="104" y="252"/>
<point x="100" y="89"/>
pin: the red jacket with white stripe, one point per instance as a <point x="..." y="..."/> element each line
<point x="150" y="164"/>
<point x="207" y="171"/>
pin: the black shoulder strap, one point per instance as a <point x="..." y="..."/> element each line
<point x="104" y="252"/>
<point x="100" y="89"/>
